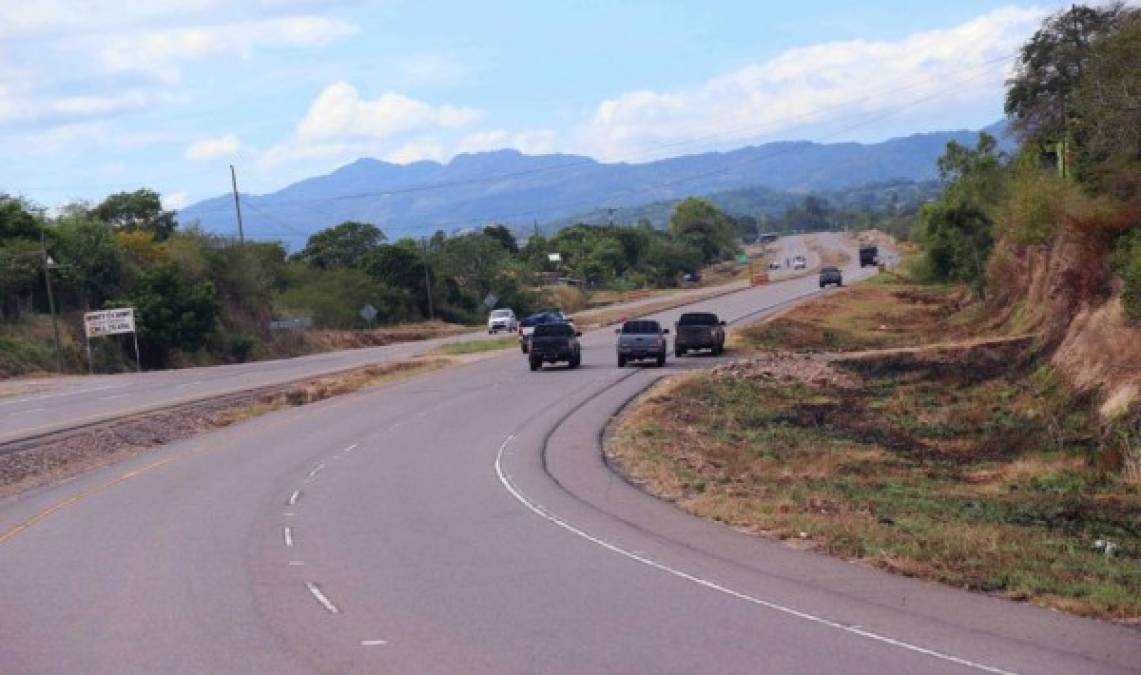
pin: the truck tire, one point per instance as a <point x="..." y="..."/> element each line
<point x="679" y="352"/>
<point x="523" y="347"/>
<point x="535" y="364"/>
<point x="621" y="361"/>
<point x="575" y="360"/>
<point x="661" y="359"/>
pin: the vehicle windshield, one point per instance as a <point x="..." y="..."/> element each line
<point x="829" y="269"/>
<point x="641" y="327"/>
<point x="554" y="330"/>
<point x="698" y="320"/>
<point x="500" y="313"/>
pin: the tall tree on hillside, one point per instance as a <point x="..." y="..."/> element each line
<point x="136" y="211"/>
<point x="344" y="245"/>
<point x="703" y="225"/>
<point x="504" y="236"/>
<point x="1039" y="98"/>
<point x="1108" y="104"/>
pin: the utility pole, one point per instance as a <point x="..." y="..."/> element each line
<point x="611" y="211"/>
<point x="51" y="299"/>
<point x="427" y="281"/>
<point x="237" y="205"/>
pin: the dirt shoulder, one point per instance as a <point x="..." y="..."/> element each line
<point x="849" y="431"/>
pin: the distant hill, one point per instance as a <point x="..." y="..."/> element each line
<point x="509" y="187"/>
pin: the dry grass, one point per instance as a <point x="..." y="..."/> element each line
<point x="974" y="466"/>
<point x="477" y="346"/>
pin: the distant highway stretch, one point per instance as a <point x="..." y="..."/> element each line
<point x="463" y="521"/>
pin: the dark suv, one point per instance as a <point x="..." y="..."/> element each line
<point x="641" y="339"/>
<point x="553" y="342"/>
<point x="699" y="330"/>
<point x="830" y="275"/>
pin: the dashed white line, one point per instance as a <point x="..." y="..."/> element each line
<point x="320" y="597"/>
<point x="373" y="643"/>
<point x="287" y="535"/>
<point x="294" y="497"/>
<point x="350" y="448"/>
<point x="289" y="514"/>
<point x="296" y="563"/>
<point x="712" y="585"/>
<point x="316" y="470"/>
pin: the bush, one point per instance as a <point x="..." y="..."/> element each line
<point x="171" y="312"/>
<point x="1127" y="264"/>
<point x="334" y="297"/>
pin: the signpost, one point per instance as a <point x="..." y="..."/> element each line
<point x="368" y="313"/>
<point x="110" y="322"/>
<point x="291" y="324"/>
<point x="742" y="259"/>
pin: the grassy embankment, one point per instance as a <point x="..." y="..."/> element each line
<point x="973" y="466"/>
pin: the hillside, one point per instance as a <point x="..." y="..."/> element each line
<point x="509" y="187"/>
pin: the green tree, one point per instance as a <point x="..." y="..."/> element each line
<point x="344" y="245"/>
<point x="140" y="210"/>
<point x="1039" y="97"/>
<point x="504" y="236"/>
<point x="93" y="266"/>
<point x="171" y="313"/>
<point x="17" y="221"/>
<point x="702" y="225"/>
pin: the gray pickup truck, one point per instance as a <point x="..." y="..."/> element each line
<point x="553" y="342"/>
<point x="641" y="339"/>
<point x="698" y="330"/>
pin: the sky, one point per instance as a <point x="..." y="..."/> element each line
<point x="100" y="96"/>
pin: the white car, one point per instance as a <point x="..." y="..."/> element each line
<point x="501" y="319"/>
<point x="799" y="263"/>
<point x="774" y="265"/>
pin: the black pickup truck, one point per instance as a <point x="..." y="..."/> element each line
<point x="699" y="330"/>
<point x="869" y="255"/>
<point x="553" y="342"/>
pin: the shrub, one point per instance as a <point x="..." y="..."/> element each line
<point x="1127" y="264"/>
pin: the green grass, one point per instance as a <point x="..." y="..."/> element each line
<point x="477" y="346"/>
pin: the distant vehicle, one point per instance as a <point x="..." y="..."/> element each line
<point x="527" y="325"/>
<point x="831" y="275"/>
<point x="698" y="330"/>
<point x="641" y="339"/>
<point x="799" y="263"/>
<point x="692" y="276"/>
<point x="501" y="319"/>
<point x="552" y="342"/>
<point x="774" y="265"/>
<point x="769" y="237"/>
<point x="869" y="255"/>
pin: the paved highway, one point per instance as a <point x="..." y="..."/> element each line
<point x="50" y="404"/>
<point x="464" y="522"/>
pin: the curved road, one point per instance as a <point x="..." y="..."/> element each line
<point x="464" y="522"/>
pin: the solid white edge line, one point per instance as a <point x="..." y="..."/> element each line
<point x="854" y="630"/>
<point x="320" y="597"/>
<point x="287" y="534"/>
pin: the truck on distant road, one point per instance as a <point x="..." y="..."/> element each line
<point x="869" y="255"/>
<point x="698" y="330"/>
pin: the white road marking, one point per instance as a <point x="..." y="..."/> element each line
<point x="350" y="448"/>
<point x="289" y="514"/>
<point x="316" y="470"/>
<point x="294" y="497"/>
<point x="712" y="585"/>
<point x="373" y="643"/>
<point x="296" y="563"/>
<point x="287" y="534"/>
<point x="325" y="602"/>
<point x="112" y="398"/>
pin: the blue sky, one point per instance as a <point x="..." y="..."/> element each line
<point x="98" y="96"/>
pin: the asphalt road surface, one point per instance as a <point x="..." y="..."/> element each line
<point x="57" y="403"/>
<point x="463" y="521"/>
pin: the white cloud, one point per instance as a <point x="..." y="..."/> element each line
<point x="64" y="16"/>
<point x="340" y="112"/>
<point x="173" y="201"/>
<point x="813" y="85"/>
<point x="531" y="142"/>
<point x="67" y="137"/>
<point x="213" y="148"/>
<point x="157" y="51"/>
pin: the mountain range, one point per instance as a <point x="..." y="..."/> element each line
<point x="506" y="186"/>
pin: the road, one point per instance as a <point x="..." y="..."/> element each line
<point x="59" y="403"/>
<point x="463" y="521"/>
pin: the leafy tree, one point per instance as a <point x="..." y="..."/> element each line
<point x="1039" y="97"/>
<point x="20" y="270"/>
<point x="504" y="236"/>
<point x="140" y="210"/>
<point x="703" y="226"/>
<point x="343" y="245"/>
<point x="1108" y="105"/>
<point x="333" y="297"/>
<point x="401" y="266"/>
<point x="958" y="227"/>
<point x="93" y="265"/>
<point x="17" y="221"/>
<point x="171" y="313"/>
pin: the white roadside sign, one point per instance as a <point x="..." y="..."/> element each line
<point x="109" y="322"/>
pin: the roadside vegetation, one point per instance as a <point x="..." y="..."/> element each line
<point x="974" y="418"/>
<point x="977" y="466"/>
<point x="477" y="346"/>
